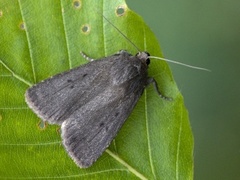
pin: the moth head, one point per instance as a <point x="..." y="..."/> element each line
<point x="144" y="57"/>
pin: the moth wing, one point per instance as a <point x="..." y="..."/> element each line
<point x="54" y="99"/>
<point x="86" y="135"/>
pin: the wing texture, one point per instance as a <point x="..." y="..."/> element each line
<point x="56" y="98"/>
<point x="91" y="103"/>
<point x="90" y="130"/>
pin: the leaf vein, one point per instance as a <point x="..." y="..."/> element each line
<point x="63" y="177"/>
<point x="146" y="117"/>
<point x="31" y="144"/>
<point x="129" y="167"/>
<point x="14" y="108"/>
<point x="104" y="31"/>
<point x="65" y="35"/>
<point x="179" y="144"/>
<point x="29" y="44"/>
<point x="15" y="75"/>
<point x="148" y="138"/>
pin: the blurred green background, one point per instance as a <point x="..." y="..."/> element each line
<point x="207" y="34"/>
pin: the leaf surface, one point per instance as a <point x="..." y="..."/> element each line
<point x="42" y="38"/>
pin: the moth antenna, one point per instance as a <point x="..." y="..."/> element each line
<point x="154" y="57"/>
<point x="182" y="64"/>
<point x="121" y="33"/>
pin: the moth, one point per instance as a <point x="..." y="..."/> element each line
<point x="91" y="102"/>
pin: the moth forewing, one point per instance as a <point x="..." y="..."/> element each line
<point x="91" y="103"/>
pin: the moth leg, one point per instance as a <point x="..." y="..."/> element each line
<point x="86" y="57"/>
<point x="154" y="83"/>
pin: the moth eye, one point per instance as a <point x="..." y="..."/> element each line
<point x="147" y="61"/>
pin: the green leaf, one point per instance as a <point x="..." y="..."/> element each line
<point x="42" y="38"/>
